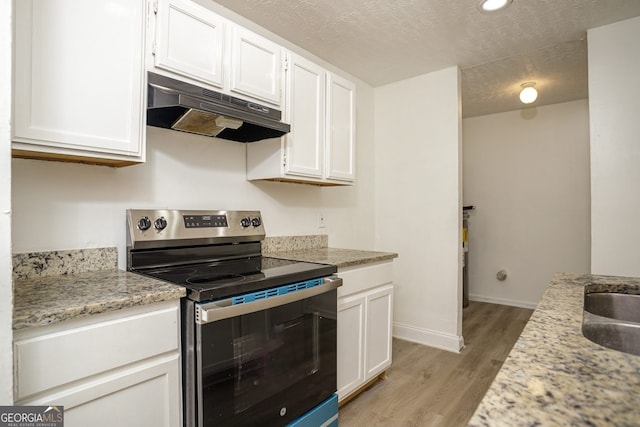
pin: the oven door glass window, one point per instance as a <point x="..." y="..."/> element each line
<point x="268" y="367"/>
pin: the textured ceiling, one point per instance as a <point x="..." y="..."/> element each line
<point x="385" y="41"/>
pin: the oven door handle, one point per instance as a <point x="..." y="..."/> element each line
<point x="223" y="309"/>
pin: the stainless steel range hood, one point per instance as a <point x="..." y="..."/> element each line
<point x="177" y="105"/>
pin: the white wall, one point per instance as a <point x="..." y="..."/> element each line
<point x="614" y="94"/>
<point x="6" y="291"/>
<point x="527" y="173"/>
<point x="418" y="203"/>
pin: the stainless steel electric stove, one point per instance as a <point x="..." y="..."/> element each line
<point x="258" y="333"/>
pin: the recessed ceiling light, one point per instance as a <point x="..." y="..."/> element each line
<point x="493" y="5"/>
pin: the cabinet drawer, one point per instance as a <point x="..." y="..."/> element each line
<point x="360" y="279"/>
<point x="61" y="354"/>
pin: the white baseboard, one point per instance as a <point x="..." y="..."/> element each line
<point x="503" y="301"/>
<point x="449" y="342"/>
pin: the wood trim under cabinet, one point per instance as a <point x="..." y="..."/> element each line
<point x="380" y="377"/>
<point x="36" y="155"/>
<point x="302" y="181"/>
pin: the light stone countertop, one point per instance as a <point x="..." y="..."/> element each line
<point x="55" y="286"/>
<point x="554" y="376"/>
<point x="341" y="258"/>
<point x="44" y="300"/>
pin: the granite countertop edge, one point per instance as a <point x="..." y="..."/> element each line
<point x="340" y="258"/>
<point x="46" y="300"/>
<point x="555" y="376"/>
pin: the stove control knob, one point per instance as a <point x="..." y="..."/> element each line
<point x="160" y="223"/>
<point x="245" y="222"/>
<point x="144" y="223"/>
<point x="256" y="221"/>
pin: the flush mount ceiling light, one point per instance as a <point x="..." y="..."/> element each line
<point x="528" y="94"/>
<point x="493" y="5"/>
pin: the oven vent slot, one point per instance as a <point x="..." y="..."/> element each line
<point x="274" y="292"/>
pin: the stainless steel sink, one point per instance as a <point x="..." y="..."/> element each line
<point x="613" y="305"/>
<point x="613" y="320"/>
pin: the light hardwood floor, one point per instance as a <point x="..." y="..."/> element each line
<point x="431" y="387"/>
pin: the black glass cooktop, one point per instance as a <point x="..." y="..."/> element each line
<point x="222" y="279"/>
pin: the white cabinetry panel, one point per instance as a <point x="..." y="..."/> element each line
<point x="142" y="403"/>
<point x="79" y="78"/>
<point x="146" y="394"/>
<point x="305" y="108"/>
<point x="190" y="41"/>
<point x="320" y="149"/>
<point x="351" y="312"/>
<point x="256" y="66"/>
<point x="365" y="317"/>
<point x="341" y="128"/>
<point x="117" y="368"/>
<point x="202" y="47"/>
<point x="379" y="321"/>
<point x="145" y="338"/>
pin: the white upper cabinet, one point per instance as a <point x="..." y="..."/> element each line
<point x="320" y="149"/>
<point x="341" y="129"/>
<point x="256" y="66"/>
<point x="305" y="112"/>
<point x="189" y="41"/>
<point x="79" y="80"/>
<point x="193" y="43"/>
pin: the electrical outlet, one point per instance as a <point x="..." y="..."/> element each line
<point x="321" y="220"/>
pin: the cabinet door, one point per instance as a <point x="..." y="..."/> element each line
<point x="256" y="66"/>
<point x="341" y="141"/>
<point x="148" y="394"/>
<point x="190" y="41"/>
<point x="304" y="110"/>
<point x="351" y="335"/>
<point x="379" y="320"/>
<point x="79" y="76"/>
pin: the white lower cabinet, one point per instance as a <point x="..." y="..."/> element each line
<point x="351" y="336"/>
<point x="118" y="368"/>
<point x="378" y="330"/>
<point x="365" y="315"/>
